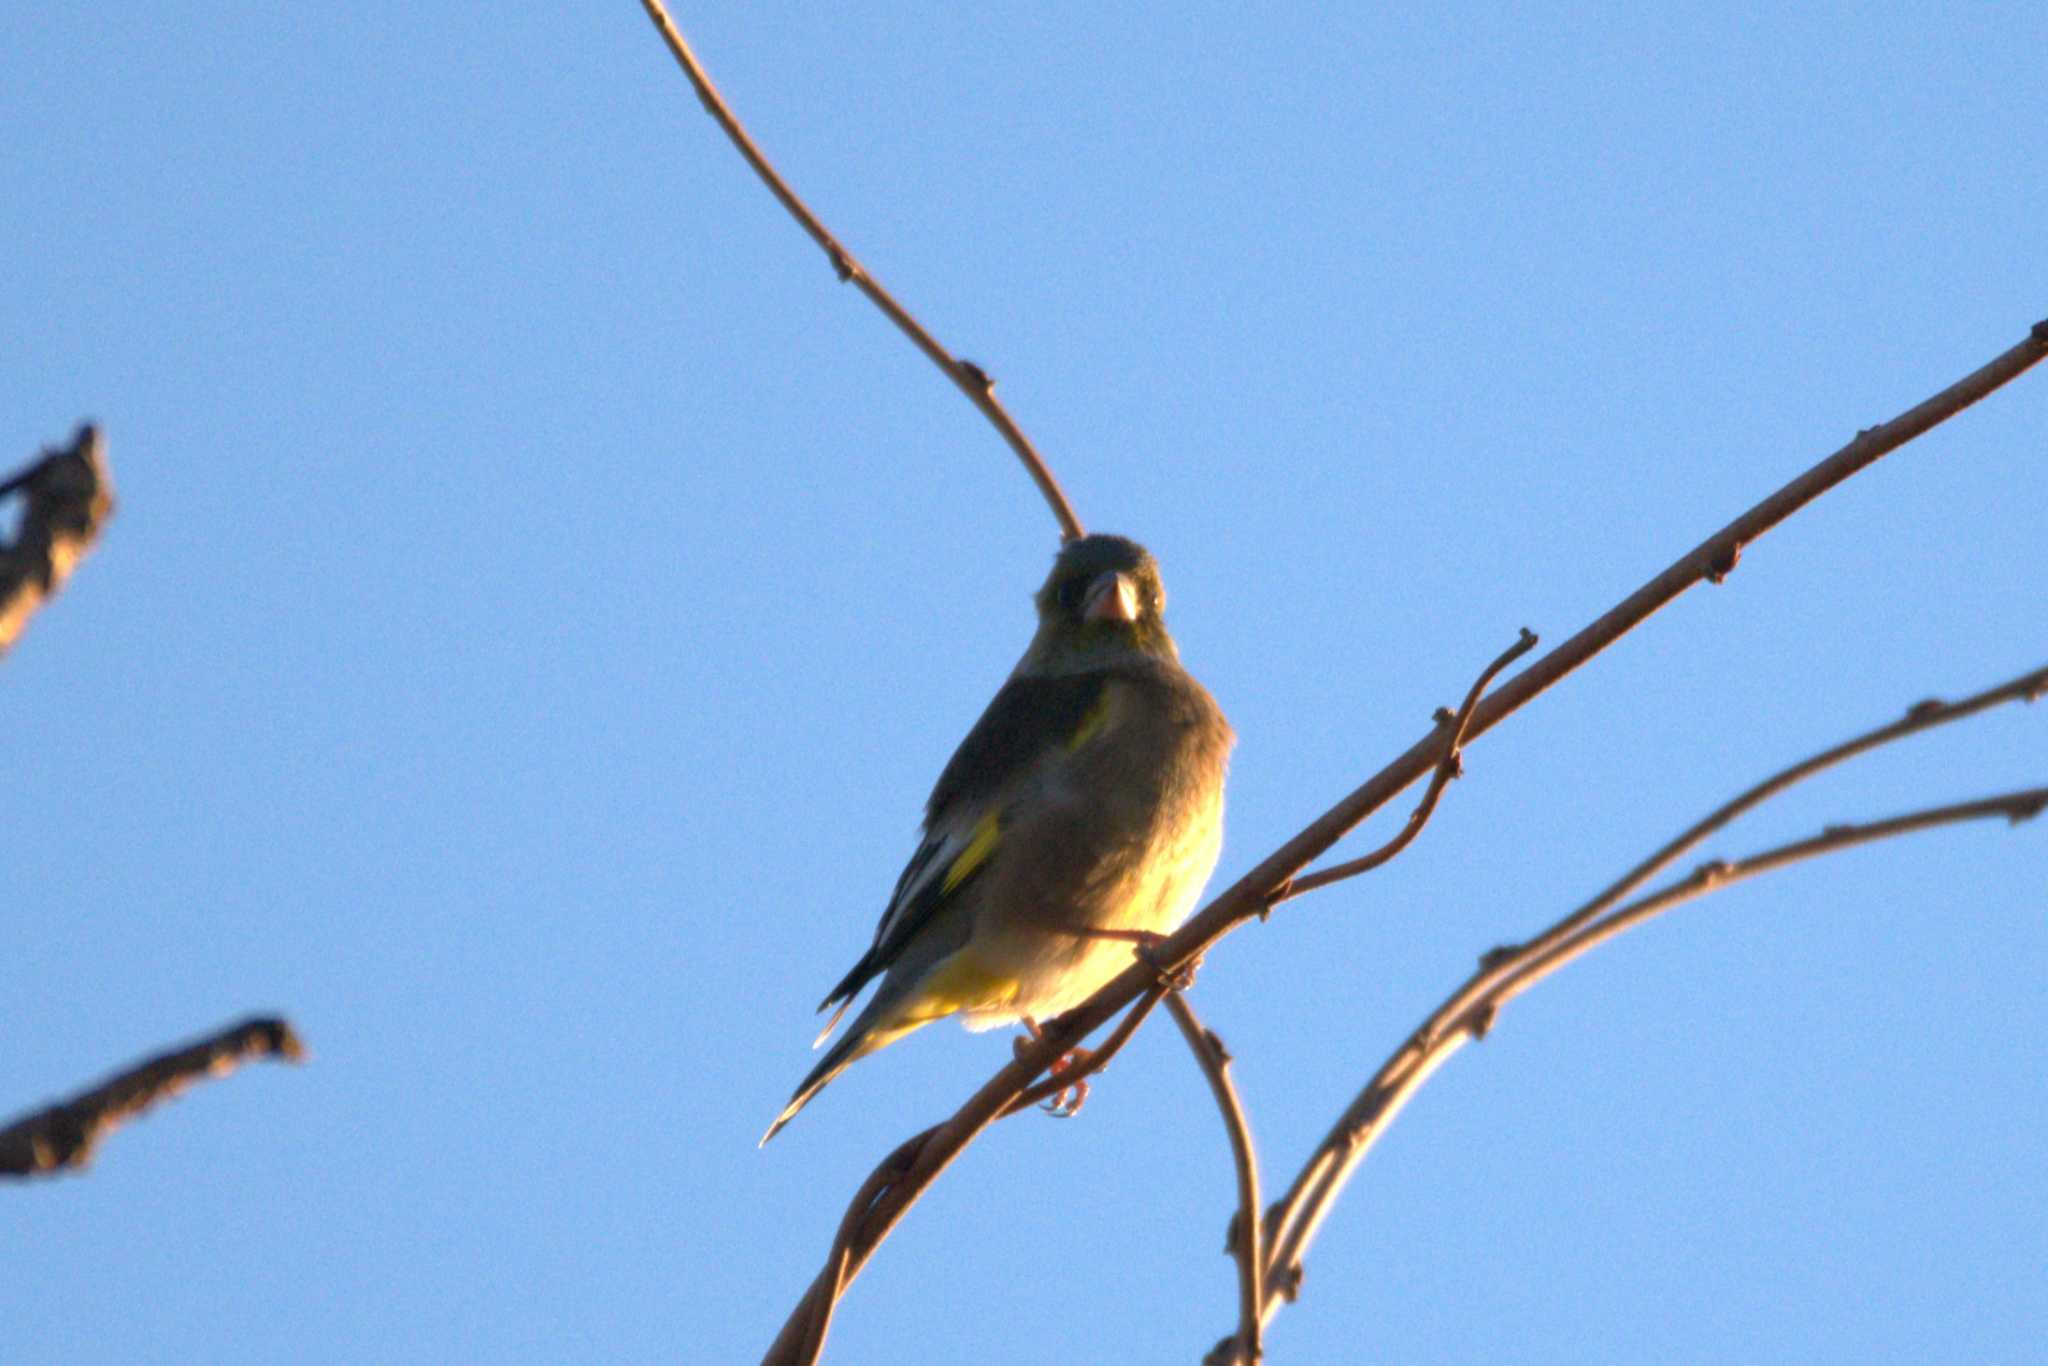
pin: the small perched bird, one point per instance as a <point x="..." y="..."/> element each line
<point x="1084" y="811"/>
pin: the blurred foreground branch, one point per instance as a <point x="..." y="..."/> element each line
<point x="67" y="497"/>
<point x="64" y="1135"/>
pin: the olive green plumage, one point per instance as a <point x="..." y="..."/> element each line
<point x="1088" y="797"/>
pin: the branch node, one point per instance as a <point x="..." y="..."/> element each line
<point x="1498" y="955"/>
<point x="977" y="377"/>
<point x="66" y="497"/>
<point x="1444" y="716"/>
<point x="1724" y="562"/>
<point x="1287" y="1281"/>
<point x="1174" y="978"/>
<point x="1920" y="711"/>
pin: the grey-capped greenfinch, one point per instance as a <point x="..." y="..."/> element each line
<point x="1087" y="799"/>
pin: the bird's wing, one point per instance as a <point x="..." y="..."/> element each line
<point x="1030" y="719"/>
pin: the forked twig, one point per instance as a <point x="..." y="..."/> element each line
<point x="970" y="378"/>
<point x="1249" y="896"/>
<point x="63" y="1136"/>
<point x="1447" y="768"/>
<point x="2014" y="807"/>
<point x="1293" y="1220"/>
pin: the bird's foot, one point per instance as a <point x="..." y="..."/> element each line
<point x="1066" y="1102"/>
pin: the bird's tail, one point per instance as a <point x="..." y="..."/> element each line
<point x="873" y="1029"/>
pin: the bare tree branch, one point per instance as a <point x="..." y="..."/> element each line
<point x="67" y="497"/>
<point x="2014" y="807"/>
<point x="1293" y="1220"/>
<point x="65" y="1135"/>
<point x="1449" y="767"/>
<point x="883" y="1205"/>
<point x="970" y="378"/>
<point x="1244" y="1242"/>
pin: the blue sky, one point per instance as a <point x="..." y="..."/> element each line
<point x="541" y="598"/>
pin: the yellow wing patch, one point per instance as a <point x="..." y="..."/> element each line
<point x="1095" y="721"/>
<point x="988" y="832"/>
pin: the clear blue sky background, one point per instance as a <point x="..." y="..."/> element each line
<point x="541" y="599"/>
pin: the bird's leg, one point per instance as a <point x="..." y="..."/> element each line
<point x="1068" y="1100"/>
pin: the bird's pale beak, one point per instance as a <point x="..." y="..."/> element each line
<point x="1112" y="597"/>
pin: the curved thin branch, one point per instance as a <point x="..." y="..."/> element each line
<point x="914" y="1164"/>
<point x="1449" y="767"/>
<point x="968" y="377"/>
<point x="64" y="1136"/>
<point x="1244" y="1242"/>
<point x="1293" y="1220"/>
<point x="1250" y="896"/>
<point x="2013" y="807"/>
<point x="1920" y="716"/>
<point x="68" y="497"/>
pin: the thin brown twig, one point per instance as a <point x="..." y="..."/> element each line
<point x="1249" y="896"/>
<point x="64" y="1136"/>
<point x="1370" y="1115"/>
<point x="1920" y="716"/>
<point x="69" y="496"/>
<point x="1244" y="1242"/>
<point x="828" y="1301"/>
<point x="2015" y="807"/>
<point x="1294" y="1219"/>
<point x="968" y="377"/>
<point x="1466" y="1004"/>
<point x="1449" y="767"/>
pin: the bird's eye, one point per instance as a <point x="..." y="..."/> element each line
<point x="1069" y="594"/>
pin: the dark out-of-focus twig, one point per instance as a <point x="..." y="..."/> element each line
<point x="63" y="1136"/>
<point x="970" y="378"/>
<point x="67" y="496"/>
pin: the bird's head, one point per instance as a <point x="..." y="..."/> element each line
<point x="1103" y="600"/>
